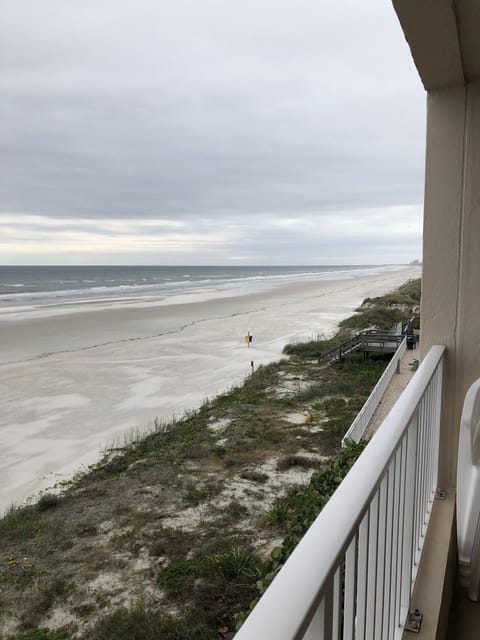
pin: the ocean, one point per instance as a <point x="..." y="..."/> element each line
<point x="40" y="285"/>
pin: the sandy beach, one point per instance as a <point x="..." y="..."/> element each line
<point x="78" y="378"/>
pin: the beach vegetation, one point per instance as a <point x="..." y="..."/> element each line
<point x="313" y="348"/>
<point x="374" y="317"/>
<point x="47" y="501"/>
<point x="302" y="503"/>
<point x="294" y="513"/>
<point x="169" y="542"/>
<point x="407" y="295"/>
<point x="194" y="494"/>
<point x="277" y="515"/>
<point x="146" y="623"/>
<point x="16" y="572"/>
<point x="43" y="634"/>
<point x="385" y="311"/>
<point x="174" y="577"/>
<point x="51" y="592"/>
<point x="254" y="476"/>
<point x="217" y="584"/>
<point x="18" y="523"/>
<point x="235" y="510"/>
<point x="287" y="462"/>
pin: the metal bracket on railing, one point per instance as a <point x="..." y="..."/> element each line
<point x="414" y="620"/>
<point x="440" y="494"/>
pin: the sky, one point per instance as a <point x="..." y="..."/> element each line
<point x="208" y="132"/>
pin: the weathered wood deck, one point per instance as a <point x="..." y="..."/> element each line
<point x="366" y="342"/>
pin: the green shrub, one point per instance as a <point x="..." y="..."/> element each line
<point x="175" y="577"/>
<point x="235" y="563"/>
<point x="193" y="494"/>
<point x="313" y="348"/>
<point x="141" y="623"/>
<point x="297" y="511"/>
<point x="48" y="594"/>
<point x="43" y="634"/>
<point x="287" y="462"/>
<point x="235" y="511"/>
<point x="278" y="513"/>
<point x="303" y="503"/>
<point x="254" y="476"/>
<point x="47" y="501"/>
<point x="19" y="523"/>
<point x="385" y="311"/>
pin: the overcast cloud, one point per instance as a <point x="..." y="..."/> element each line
<point x="208" y="132"/>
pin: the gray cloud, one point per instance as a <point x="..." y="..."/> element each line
<point x="204" y="110"/>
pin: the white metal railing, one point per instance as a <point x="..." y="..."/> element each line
<point x="361" y="422"/>
<point x="352" y="574"/>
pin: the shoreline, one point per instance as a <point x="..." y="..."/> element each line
<point x="81" y="381"/>
<point x="52" y="307"/>
<point x="169" y="291"/>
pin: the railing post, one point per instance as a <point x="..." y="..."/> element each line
<point x="372" y="568"/>
<point x="350" y="594"/>
<point x="363" y="536"/>
<point x="388" y="594"/>
<point x="408" y="518"/>
<point x="436" y="419"/>
<point x="381" y="559"/>
<point x="321" y="625"/>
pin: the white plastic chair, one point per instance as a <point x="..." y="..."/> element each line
<point x="468" y="493"/>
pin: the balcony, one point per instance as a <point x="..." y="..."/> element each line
<point x="385" y="543"/>
<point x="354" y="574"/>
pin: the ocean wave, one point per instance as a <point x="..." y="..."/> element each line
<point x="227" y="283"/>
<point x="93" y="292"/>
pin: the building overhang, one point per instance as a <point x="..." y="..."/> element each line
<point x="443" y="38"/>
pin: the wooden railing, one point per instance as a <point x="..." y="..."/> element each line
<point x="380" y="341"/>
<point x="360" y="424"/>
<point x="352" y="574"/>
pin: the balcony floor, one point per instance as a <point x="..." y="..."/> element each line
<point x="395" y="388"/>
<point x="464" y="621"/>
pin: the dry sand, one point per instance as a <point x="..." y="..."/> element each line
<point x="77" y="378"/>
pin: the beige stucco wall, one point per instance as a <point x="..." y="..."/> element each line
<point x="443" y="38"/>
<point x="451" y="253"/>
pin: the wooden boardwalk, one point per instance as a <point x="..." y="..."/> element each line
<point x="366" y="342"/>
<point x="395" y="388"/>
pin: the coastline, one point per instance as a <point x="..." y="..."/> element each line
<point x="77" y="382"/>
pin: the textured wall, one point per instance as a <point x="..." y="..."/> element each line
<point x="451" y="259"/>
